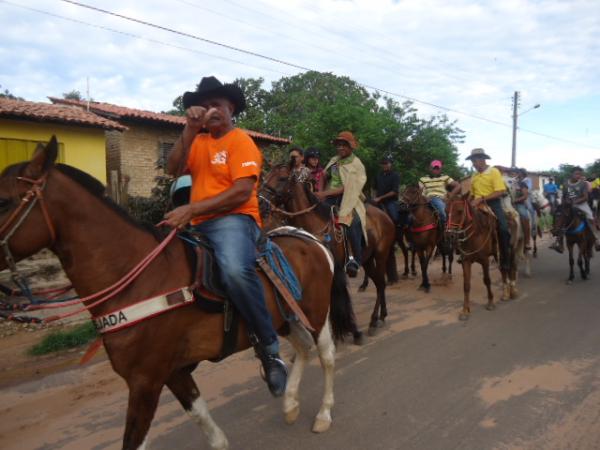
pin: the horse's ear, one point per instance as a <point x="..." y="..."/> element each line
<point x="43" y="158"/>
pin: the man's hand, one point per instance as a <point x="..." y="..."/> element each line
<point x="476" y="202"/>
<point x="376" y="200"/>
<point x="179" y="217"/>
<point x="196" y="116"/>
<point x="320" y="195"/>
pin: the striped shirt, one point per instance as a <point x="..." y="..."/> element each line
<point x="435" y="186"/>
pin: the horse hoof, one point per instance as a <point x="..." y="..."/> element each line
<point x="292" y="415"/>
<point x="380" y="323"/>
<point x="463" y="316"/>
<point x="359" y="339"/>
<point x="321" y="426"/>
<point x="372" y="330"/>
<point x="427" y="289"/>
<point x="490" y="307"/>
<point x="514" y="294"/>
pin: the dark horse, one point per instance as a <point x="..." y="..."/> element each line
<point x="281" y="189"/>
<point x="425" y="233"/>
<point x="569" y="223"/>
<point x="473" y="233"/>
<point x="97" y="243"/>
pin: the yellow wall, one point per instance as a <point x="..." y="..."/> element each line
<point x="84" y="148"/>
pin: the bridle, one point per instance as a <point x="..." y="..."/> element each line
<point x="16" y="219"/>
<point x="459" y="233"/>
<point x="274" y="196"/>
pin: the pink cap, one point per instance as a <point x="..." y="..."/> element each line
<point x="436" y="163"/>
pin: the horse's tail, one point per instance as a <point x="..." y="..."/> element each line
<point x="341" y="314"/>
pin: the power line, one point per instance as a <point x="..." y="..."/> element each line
<point x="144" y="38"/>
<point x="269" y="58"/>
<point x="276" y="60"/>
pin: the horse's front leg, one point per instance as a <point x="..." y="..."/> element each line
<point x="424" y="261"/>
<point x="488" y="284"/>
<point x="571" y="264"/>
<point x="143" y="400"/>
<point x="580" y="263"/>
<point x="466" y="311"/>
<point x="184" y="388"/>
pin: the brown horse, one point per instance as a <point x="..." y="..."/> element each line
<point x="567" y="222"/>
<point x="303" y="210"/>
<point x="425" y="233"/>
<point x="97" y="243"/>
<point x="473" y="232"/>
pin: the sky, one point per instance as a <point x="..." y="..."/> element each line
<point x="466" y="57"/>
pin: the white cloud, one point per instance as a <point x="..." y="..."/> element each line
<point x="464" y="54"/>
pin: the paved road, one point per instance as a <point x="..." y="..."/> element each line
<point x="523" y="376"/>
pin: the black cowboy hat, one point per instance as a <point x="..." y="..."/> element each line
<point x="210" y="87"/>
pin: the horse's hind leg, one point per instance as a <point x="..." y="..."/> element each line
<point x="375" y="272"/>
<point x="326" y="348"/>
<point x="364" y="284"/>
<point x="183" y="386"/>
<point x="291" y="404"/>
<point x="143" y="400"/>
<point x="580" y="263"/>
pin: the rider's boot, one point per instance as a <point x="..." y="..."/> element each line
<point x="275" y="370"/>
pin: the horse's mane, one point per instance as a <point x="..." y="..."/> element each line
<point x="92" y="186"/>
<point x="98" y="190"/>
<point x="322" y="208"/>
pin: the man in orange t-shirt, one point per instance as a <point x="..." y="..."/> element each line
<point x="225" y="166"/>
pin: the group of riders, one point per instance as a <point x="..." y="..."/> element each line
<point x="225" y="167"/>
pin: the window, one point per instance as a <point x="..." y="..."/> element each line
<point x="17" y="150"/>
<point x="164" y="148"/>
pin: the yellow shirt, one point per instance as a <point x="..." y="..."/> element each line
<point x="487" y="182"/>
<point x="596" y="183"/>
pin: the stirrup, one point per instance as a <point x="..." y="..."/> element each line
<point x="352" y="267"/>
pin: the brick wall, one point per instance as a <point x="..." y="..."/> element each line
<point x="139" y="152"/>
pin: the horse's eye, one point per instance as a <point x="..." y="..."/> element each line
<point x="5" y="203"/>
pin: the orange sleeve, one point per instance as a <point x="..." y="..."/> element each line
<point x="246" y="159"/>
<point x="191" y="160"/>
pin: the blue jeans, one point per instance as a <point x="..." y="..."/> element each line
<point x="523" y="211"/>
<point x="233" y="239"/>
<point x="440" y="206"/>
<point x="392" y="209"/>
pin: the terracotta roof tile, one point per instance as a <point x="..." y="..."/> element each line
<point x="121" y="112"/>
<point x="20" y="109"/>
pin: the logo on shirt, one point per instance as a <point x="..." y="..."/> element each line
<point x="219" y="157"/>
<point x="249" y="163"/>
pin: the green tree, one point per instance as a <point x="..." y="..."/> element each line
<point x="5" y="93"/>
<point x="313" y="107"/>
<point x="73" y="94"/>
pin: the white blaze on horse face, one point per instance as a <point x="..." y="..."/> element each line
<point x="200" y="414"/>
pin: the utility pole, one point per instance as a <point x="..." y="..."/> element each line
<point x="513" y="161"/>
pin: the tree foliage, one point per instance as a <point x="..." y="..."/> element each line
<point x="5" y="93"/>
<point x="311" y="108"/>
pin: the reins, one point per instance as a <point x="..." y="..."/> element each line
<point x="16" y="219"/>
<point x="463" y="233"/>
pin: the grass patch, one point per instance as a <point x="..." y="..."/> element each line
<point x="62" y="340"/>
